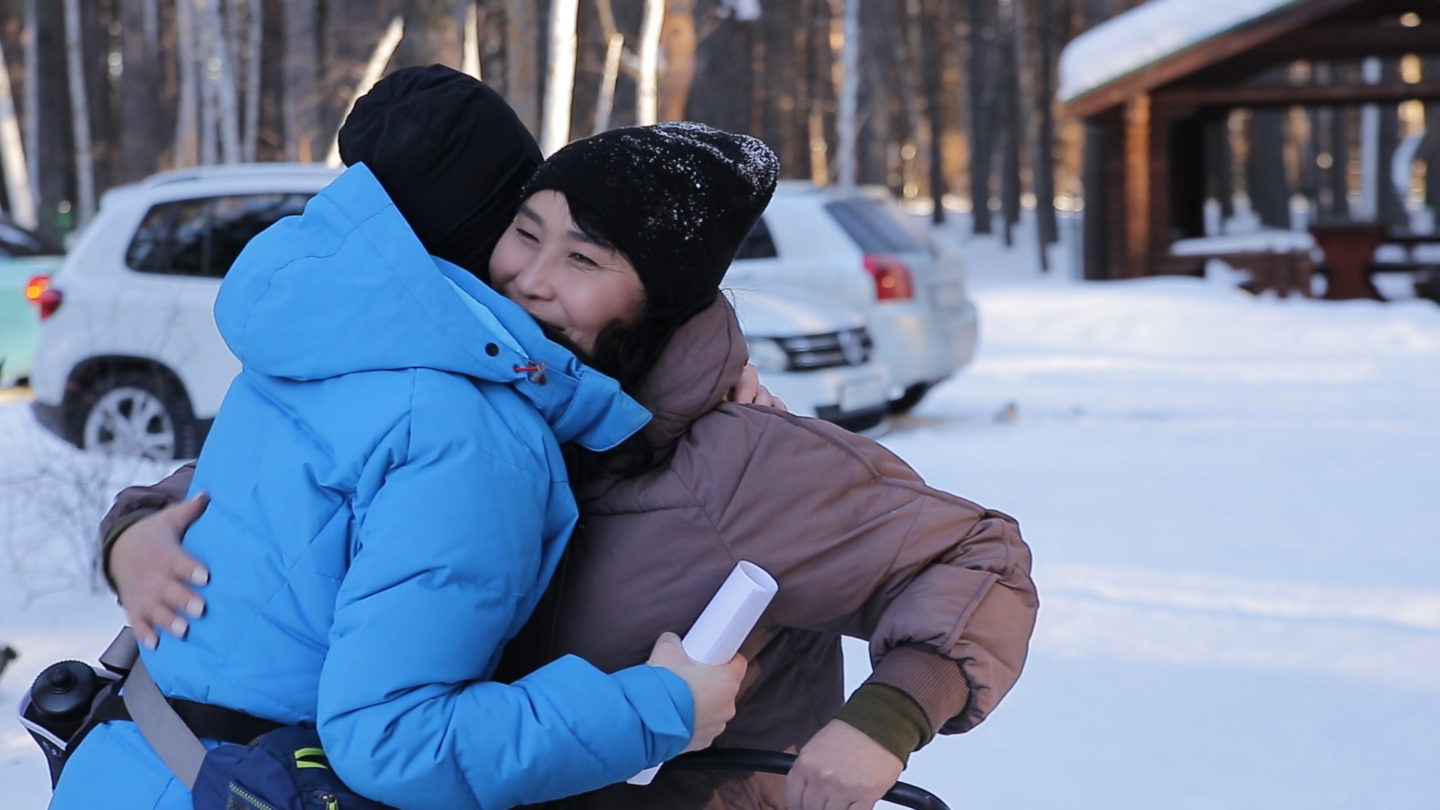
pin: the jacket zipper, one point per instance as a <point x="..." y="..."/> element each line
<point x="249" y="798"/>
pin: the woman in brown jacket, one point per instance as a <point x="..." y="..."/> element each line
<point x="859" y="544"/>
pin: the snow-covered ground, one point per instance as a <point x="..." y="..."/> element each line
<point x="1240" y="582"/>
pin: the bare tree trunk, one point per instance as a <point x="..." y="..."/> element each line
<point x="1025" y="101"/>
<point x="470" y="41"/>
<point x="1009" y="125"/>
<point x="606" y="103"/>
<point x="678" y="43"/>
<point x="255" y="38"/>
<point x="560" y="82"/>
<point x="186" y="134"/>
<point x="847" y="123"/>
<point x="80" y="115"/>
<point x="302" y="75"/>
<point x="222" y="53"/>
<point x="522" y="61"/>
<point x="12" y="155"/>
<point x="1044" y="166"/>
<point x="647" y="109"/>
<point x="980" y="98"/>
<point x="928" y="39"/>
<point x="205" y="45"/>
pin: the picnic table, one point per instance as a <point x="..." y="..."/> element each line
<point x="1350" y="247"/>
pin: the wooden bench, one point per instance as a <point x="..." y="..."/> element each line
<point x="1280" y="265"/>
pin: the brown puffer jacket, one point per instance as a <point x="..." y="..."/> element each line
<point x="860" y="546"/>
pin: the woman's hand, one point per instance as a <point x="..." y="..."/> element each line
<point x="713" y="688"/>
<point x="840" y="767"/>
<point x="749" y="391"/>
<point x="153" y="574"/>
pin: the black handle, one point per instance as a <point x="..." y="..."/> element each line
<point x="747" y="759"/>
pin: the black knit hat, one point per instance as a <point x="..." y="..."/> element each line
<point x="676" y="198"/>
<point x="451" y="154"/>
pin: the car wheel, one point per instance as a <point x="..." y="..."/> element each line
<point x="910" y="398"/>
<point x="137" y="413"/>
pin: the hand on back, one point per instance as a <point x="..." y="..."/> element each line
<point x="154" y="577"/>
<point x="749" y="391"/>
<point x="712" y="687"/>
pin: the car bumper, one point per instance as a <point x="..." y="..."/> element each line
<point x="853" y="397"/>
<point x="918" y="346"/>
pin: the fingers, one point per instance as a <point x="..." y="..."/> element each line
<point x="746" y="387"/>
<point x="185" y="568"/>
<point x="182" y="514"/>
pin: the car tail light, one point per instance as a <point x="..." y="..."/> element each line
<point x="39" y="293"/>
<point x="892" y="278"/>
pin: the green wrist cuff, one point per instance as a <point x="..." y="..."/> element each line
<point x="889" y="717"/>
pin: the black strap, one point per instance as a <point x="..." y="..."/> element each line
<point x="746" y="759"/>
<point x="205" y="720"/>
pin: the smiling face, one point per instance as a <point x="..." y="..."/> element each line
<point x="565" y="279"/>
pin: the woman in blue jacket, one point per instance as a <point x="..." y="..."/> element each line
<point x="388" y="497"/>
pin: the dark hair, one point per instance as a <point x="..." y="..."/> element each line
<point x="627" y="353"/>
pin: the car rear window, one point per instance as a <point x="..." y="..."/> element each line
<point x="202" y="237"/>
<point x="758" y="244"/>
<point x="872" y="227"/>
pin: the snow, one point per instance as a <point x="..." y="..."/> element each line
<point x="1225" y="496"/>
<point x="1136" y="39"/>
<point x="1262" y="241"/>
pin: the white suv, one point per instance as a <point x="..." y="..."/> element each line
<point x="860" y="249"/>
<point x="130" y="360"/>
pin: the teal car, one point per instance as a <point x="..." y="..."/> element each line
<point x="23" y="256"/>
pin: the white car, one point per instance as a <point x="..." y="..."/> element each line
<point x="860" y="249"/>
<point x="815" y="355"/>
<point x="130" y="361"/>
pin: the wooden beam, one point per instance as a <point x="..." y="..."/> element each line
<point x="1356" y="42"/>
<point x="1203" y="55"/>
<point x="1137" y="186"/>
<point x="1298" y="95"/>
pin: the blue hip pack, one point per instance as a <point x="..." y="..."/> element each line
<point x="284" y="769"/>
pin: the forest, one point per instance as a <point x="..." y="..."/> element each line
<point x="950" y="103"/>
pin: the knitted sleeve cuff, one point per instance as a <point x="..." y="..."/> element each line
<point x="930" y="679"/>
<point x="112" y="533"/>
<point x="887" y="716"/>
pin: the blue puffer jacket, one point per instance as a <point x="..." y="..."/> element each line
<point x="388" y="503"/>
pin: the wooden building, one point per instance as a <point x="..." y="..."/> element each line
<point x="1147" y="83"/>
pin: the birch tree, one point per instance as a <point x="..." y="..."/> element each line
<point x="80" y="114"/>
<point x="12" y="154"/>
<point x="647" y="102"/>
<point x="560" y="81"/>
<point x="186" y="131"/>
<point x="221" y="70"/>
<point x="254" y="53"/>
<point x="846" y="123"/>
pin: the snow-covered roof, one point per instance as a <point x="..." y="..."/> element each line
<point x="1150" y="33"/>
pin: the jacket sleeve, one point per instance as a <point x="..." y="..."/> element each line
<point x="867" y="549"/>
<point x="447" y="551"/>
<point x="134" y="503"/>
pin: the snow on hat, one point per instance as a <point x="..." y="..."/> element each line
<point x="676" y="198"/>
<point x="452" y="155"/>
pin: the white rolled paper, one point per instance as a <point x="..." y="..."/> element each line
<point x="724" y="624"/>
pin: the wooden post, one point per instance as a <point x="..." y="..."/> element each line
<point x="1097" y="202"/>
<point x="1137" y="186"/>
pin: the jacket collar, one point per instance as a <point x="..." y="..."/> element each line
<point x="696" y="370"/>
